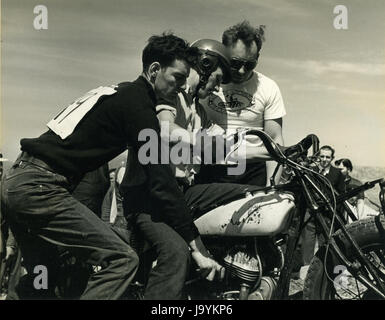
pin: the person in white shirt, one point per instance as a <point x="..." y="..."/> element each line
<point x="250" y="101"/>
<point x="182" y="119"/>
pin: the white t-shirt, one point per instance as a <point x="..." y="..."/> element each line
<point x="246" y="105"/>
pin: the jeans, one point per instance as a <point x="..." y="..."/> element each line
<point x="166" y="280"/>
<point x="44" y="217"/>
<point x="92" y="188"/>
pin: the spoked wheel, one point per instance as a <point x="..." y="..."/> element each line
<point x="334" y="281"/>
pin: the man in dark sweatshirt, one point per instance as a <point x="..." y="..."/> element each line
<point x="43" y="214"/>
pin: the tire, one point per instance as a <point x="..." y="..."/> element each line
<point x="318" y="286"/>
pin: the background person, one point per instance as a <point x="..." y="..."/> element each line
<point x="358" y="202"/>
<point x="310" y="232"/>
<point x="112" y="207"/>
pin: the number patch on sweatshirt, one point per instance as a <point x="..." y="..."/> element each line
<point x="67" y="120"/>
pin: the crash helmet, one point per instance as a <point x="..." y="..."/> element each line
<point x="212" y="54"/>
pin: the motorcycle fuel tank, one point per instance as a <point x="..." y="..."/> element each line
<point x="258" y="214"/>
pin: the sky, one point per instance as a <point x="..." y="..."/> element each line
<point x="332" y="80"/>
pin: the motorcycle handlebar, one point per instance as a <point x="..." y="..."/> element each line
<point x="355" y="191"/>
<point x="267" y="142"/>
<point x="301" y="147"/>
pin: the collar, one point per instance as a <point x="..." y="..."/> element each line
<point x="325" y="171"/>
<point x="144" y="82"/>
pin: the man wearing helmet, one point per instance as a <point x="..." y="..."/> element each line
<point x="251" y="100"/>
<point x="209" y="69"/>
<point x="186" y="115"/>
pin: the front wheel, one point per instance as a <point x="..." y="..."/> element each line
<point x="334" y="281"/>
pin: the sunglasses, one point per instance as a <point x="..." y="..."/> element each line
<point x="238" y="63"/>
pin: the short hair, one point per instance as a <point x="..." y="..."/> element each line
<point x="165" y="49"/>
<point x="326" y="147"/>
<point x="246" y="32"/>
<point x="346" y="163"/>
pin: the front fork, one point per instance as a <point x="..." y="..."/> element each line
<point x="294" y="233"/>
<point x="357" y="269"/>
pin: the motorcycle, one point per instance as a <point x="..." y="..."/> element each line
<point x="255" y="238"/>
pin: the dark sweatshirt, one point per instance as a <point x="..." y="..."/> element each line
<point x="111" y="126"/>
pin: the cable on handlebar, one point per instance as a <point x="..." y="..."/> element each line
<point x="268" y="142"/>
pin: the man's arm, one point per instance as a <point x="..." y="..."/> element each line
<point x="206" y="264"/>
<point x="166" y="194"/>
<point x="162" y="186"/>
<point x="168" y="116"/>
<point x="274" y="129"/>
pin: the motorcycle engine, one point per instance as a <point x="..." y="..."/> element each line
<point x="243" y="266"/>
<point x="251" y="268"/>
<point x="250" y="275"/>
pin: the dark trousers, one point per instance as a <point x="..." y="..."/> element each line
<point x="255" y="174"/>
<point x="44" y="216"/>
<point x="308" y="238"/>
<point x="202" y="198"/>
<point x="14" y="275"/>
<point x="166" y="280"/>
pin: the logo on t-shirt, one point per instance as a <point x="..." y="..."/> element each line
<point x="234" y="100"/>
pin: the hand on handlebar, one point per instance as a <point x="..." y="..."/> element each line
<point x="300" y="149"/>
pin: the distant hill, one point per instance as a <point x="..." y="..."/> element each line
<point x="365" y="174"/>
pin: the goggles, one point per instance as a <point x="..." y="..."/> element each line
<point x="238" y="63"/>
<point x="207" y="63"/>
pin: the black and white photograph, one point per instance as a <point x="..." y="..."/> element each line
<point x="192" y="150"/>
